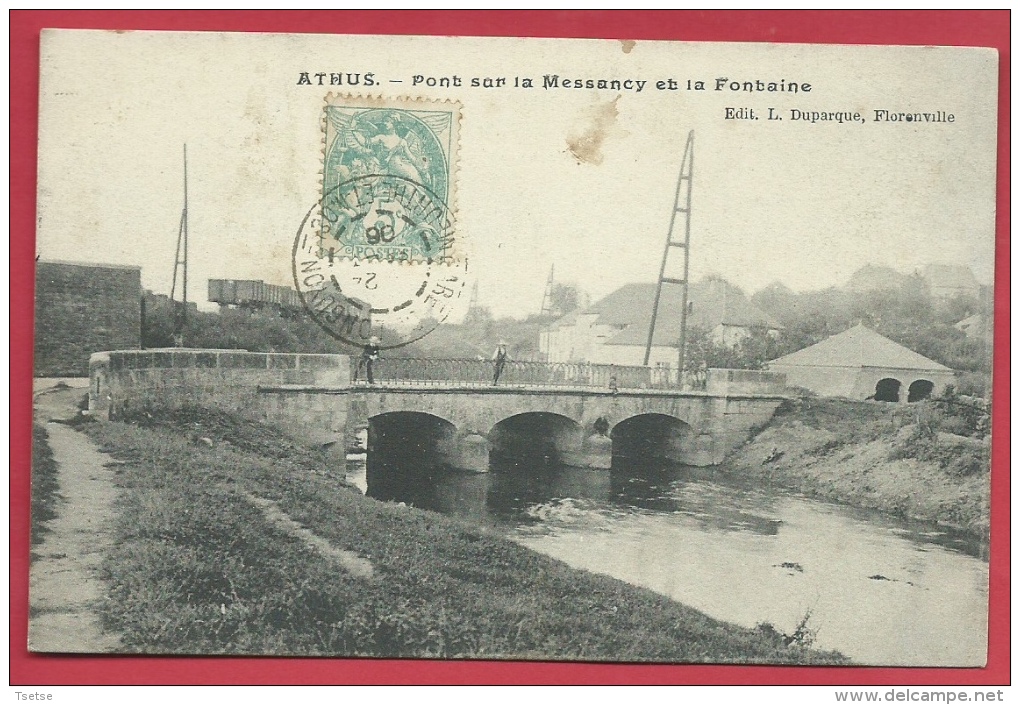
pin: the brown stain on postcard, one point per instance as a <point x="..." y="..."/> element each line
<point x="587" y="146"/>
<point x="628" y="45"/>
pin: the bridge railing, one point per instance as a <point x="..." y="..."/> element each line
<point x="435" y="372"/>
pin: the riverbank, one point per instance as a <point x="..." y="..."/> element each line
<point x="873" y="455"/>
<point x="233" y="538"/>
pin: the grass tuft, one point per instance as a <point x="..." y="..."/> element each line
<point x="45" y="489"/>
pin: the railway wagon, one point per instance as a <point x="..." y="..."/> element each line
<point x="252" y="292"/>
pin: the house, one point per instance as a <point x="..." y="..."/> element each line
<point x="615" y="329"/>
<point x="861" y="364"/>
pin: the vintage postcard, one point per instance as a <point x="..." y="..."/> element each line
<point x="533" y="349"/>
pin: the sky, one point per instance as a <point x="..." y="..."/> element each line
<point x="582" y="179"/>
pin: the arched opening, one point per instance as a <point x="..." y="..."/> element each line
<point x="404" y="452"/>
<point x="650" y="438"/>
<point x="534" y="438"/>
<point x="887" y="389"/>
<point x="920" y="390"/>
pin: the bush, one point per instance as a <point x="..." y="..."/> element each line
<point x="802" y="635"/>
<point x="968" y="462"/>
<point x="957" y="459"/>
<point x="963" y="415"/>
<point x="974" y="384"/>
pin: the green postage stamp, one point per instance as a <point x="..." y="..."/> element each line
<point x="387" y="179"/>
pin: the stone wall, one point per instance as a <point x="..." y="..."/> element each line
<point x="125" y="382"/>
<point x="81" y="309"/>
<point x="735" y="382"/>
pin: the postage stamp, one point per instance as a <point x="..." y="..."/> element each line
<point x="377" y="257"/>
<point x="387" y="183"/>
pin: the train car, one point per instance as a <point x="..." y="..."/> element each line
<point x="253" y="293"/>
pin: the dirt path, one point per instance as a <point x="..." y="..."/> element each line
<point x="64" y="585"/>
<point x="348" y="560"/>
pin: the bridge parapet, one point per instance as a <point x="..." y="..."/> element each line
<point x="313" y="397"/>
<point x="445" y="372"/>
<point x="127" y="381"/>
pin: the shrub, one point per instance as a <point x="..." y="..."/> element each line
<point x="956" y="459"/>
<point x="802" y="635"/>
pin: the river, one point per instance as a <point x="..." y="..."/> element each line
<point x="881" y="590"/>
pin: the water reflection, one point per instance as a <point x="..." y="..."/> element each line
<point x="517" y="493"/>
<point x="880" y="590"/>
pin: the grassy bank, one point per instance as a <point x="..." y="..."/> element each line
<point x="896" y="459"/>
<point x="44" y="483"/>
<point x="202" y="567"/>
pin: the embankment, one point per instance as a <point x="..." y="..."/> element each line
<point x="234" y="538"/>
<point x="893" y="458"/>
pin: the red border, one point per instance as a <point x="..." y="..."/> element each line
<point x="962" y="28"/>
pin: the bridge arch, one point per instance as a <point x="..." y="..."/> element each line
<point x="405" y="448"/>
<point x="651" y="436"/>
<point x="399" y="436"/>
<point x="535" y="437"/>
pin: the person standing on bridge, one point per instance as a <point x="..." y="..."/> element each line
<point x="369" y="354"/>
<point x="499" y="361"/>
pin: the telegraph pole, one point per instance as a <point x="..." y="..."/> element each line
<point x="181" y="265"/>
<point x="681" y="205"/>
<point x="547" y="302"/>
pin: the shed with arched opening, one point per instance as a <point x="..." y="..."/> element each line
<point x="861" y="364"/>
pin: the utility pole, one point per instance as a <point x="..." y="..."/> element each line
<point x="181" y="264"/>
<point x="681" y="205"/>
<point x="473" y="302"/>
<point x="547" y="301"/>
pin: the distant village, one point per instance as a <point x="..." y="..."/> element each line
<point x="884" y="336"/>
<point x="857" y="362"/>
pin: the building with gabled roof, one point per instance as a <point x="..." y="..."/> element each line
<point x="861" y="364"/>
<point x="614" y="330"/>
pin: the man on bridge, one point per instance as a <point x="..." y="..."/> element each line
<point x="499" y="359"/>
<point x="369" y="354"/>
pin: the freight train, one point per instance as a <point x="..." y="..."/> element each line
<point x="253" y="293"/>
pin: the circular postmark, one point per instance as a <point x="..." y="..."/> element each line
<point x="373" y="259"/>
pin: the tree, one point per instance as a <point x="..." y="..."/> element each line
<point x="702" y="353"/>
<point x="478" y="316"/>
<point x="565" y="298"/>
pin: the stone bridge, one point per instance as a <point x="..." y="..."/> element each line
<point x="580" y="418"/>
<point x="580" y="427"/>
